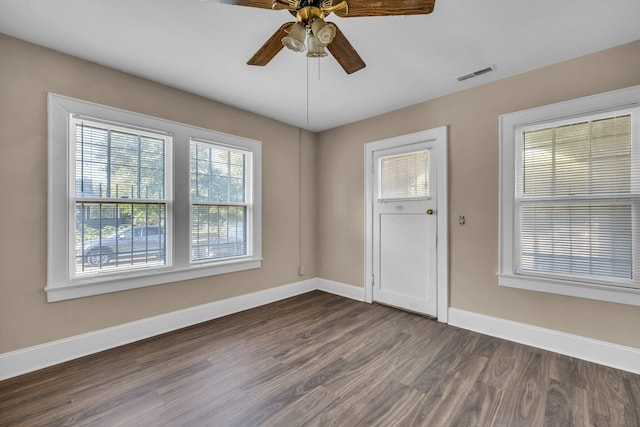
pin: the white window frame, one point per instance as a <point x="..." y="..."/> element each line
<point x="511" y="126"/>
<point x="61" y="285"/>
<point x="248" y="203"/>
<point x="76" y="119"/>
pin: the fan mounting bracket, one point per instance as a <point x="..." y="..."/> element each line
<point x="296" y="6"/>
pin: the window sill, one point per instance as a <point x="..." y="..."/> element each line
<point x="104" y="285"/>
<point x="617" y="294"/>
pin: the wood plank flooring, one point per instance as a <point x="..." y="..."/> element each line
<point x="322" y="360"/>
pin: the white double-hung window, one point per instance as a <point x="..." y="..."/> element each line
<point x="221" y="201"/>
<point x="121" y="187"/>
<point x="136" y="201"/>
<point x="570" y="198"/>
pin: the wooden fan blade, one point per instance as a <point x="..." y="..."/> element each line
<point x="384" y="8"/>
<point x="262" y="4"/>
<point x="271" y="47"/>
<point x="344" y="53"/>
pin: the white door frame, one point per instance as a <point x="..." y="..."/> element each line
<point x="439" y="137"/>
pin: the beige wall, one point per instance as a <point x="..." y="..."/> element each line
<point x="332" y="202"/>
<point x="27" y="73"/>
<point x="472" y="117"/>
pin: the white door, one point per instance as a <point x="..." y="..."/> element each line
<point x="405" y="227"/>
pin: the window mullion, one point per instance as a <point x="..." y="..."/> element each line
<point x="139" y="174"/>
<point x="109" y="165"/>
<point x="635" y="214"/>
<point x="228" y="176"/>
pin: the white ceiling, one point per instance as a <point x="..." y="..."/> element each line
<point x="202" y="47"/>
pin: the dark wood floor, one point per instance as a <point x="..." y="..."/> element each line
<point x="322" y="360"/>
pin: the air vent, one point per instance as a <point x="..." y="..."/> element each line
<point x="476" y="73"/>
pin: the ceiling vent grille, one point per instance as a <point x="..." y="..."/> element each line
<point x="476" y="73"/>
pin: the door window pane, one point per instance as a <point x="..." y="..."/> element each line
<point x="404" y="176"/>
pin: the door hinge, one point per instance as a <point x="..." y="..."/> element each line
<point x="373" y="280"/>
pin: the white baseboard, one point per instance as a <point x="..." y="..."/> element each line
<point x="342" y="289"/>
<point x="601" y="352"/>
<point x="41" y="356"/>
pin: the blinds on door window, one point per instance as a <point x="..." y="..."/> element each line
<point x="404" y="176"/>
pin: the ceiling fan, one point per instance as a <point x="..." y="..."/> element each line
<point x="311" y="27"/>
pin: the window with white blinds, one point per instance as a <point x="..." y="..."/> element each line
<point x="136" y="201"/>
<point x="404" y="176"/>
<point x="574" y="198"/>
<point x="220" y="201"/>
<point x="570" y="217"/>
<point x="120" y="219"/>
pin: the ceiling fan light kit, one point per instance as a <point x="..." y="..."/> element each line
<point x="295" y="40"/>
<point x="323" y="31"/>
<point x="311" y="27"/>
<point x="315" y="31"/>
<point x="315" y="48"/>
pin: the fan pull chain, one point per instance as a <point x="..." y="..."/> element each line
<point x="308" y="84"/>
<point x="300" y="265"/>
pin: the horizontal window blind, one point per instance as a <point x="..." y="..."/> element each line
<point x="577" y="240"/>
<point x="220" y="201"/>
<point x="577" y="200"/>
<point x="120" y="208"/>
<point x="404" y="176"/>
